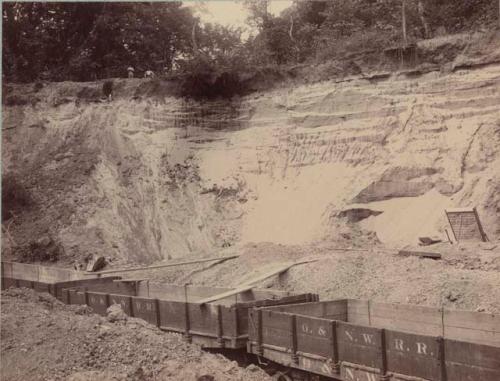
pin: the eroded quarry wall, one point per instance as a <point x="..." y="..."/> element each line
<point x="142" y="179"/>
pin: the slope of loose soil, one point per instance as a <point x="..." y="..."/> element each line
<point x="43" y="339"/>
<point x="467" y="277"/>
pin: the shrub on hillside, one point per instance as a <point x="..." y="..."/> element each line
<point x="202" y="78"/>
<point x="45" y="249"/>
<point x="15" y="197"/>
<point x="361" y="41"/>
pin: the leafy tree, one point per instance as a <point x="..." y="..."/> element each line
<point x="91" y="39"/>
<point x="273" y="44"/>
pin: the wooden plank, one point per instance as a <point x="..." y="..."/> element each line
<point x="261" y="301"/>
<point x="421" y="254"/>
<point x="462" y="372"/>
<point x="332" y="309"/>
<point x="123" y="300"/>
<point x="40" y="273"/>
<point x="41" y="286"/>
<point x="413" y="355"/>
<point x="335" y="310"/>
<point x="358" y="311"/>
<point x="354" y="372"/>
<point x="276" y="329"/>
<point x="25" y="283"/>
<point x="203" y="318"/>
<point x="8" y="282"/>
<point x="113" y="287"/>
<point x="402" y="317"/>
<point x="146" y="309"/>
<point x="253" y="325"/>
<point x="314" y="309"/>
<point x="314" y="336"/>
<point x="229" y="321"/>
<point x="250" y="284"/>
<point x="98" y="301"/>
<point x="23" y="271"/>
<point x="472" y="326"/>
<point x="170" y="264"/>
<point x="6" y="269"/>
<point x="359" y="344"/>
<point x="226" y="294"/>
<point x="473" y="320"/>
<point x="65" y="298"/>
<point x="76" y="297"/>
<point x="176" y="292"/>
<point x="470" y="335"/>
<point x="468" y="361"/>
<point x="172" y="315"/>
<point x="479" y="355"/>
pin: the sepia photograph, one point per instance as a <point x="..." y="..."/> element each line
<point x="250" y="190"/>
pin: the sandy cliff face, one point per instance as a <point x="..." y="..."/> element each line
<point x="405" y="147"/>
<point x="145" y="179"/>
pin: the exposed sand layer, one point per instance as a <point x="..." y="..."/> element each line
<point x="147" y="179"/>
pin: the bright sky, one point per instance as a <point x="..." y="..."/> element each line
<point x="229" y="12"/>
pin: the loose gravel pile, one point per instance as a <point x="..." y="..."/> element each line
<point x="44" y="339"/>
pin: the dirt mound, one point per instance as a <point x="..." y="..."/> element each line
<point x="465" y="278"/>
<point x="43" y="339"/>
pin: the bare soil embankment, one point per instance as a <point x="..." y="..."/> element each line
<point x="43" y="339"/>
<point x="362" y="161"/>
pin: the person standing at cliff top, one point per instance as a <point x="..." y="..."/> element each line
<point x="130" y="71"/>
<point x="149" y="74"/>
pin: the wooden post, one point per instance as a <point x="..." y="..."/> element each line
<point x="132" y="314"/>
<point x="158" y="316"/>
<point x="220" y="339"/>
<point x="260" y="348"/>
<point x="236" y="325"/>
<point x="335" y="348"/>
<point x="186" y="315"/>
<point x="107" y="300"/>
<point x="369" y="314"/>
<point x="383" y="358"/>
<point x="441" y="359"/>
<point x="66" y="296"/>
<point x="293" y="328"/>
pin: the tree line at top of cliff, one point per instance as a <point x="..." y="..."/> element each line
<point x="89" y="41"/>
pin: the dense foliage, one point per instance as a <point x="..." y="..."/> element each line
<point x="86" y="41"/>
<point x="321" y="30"/>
